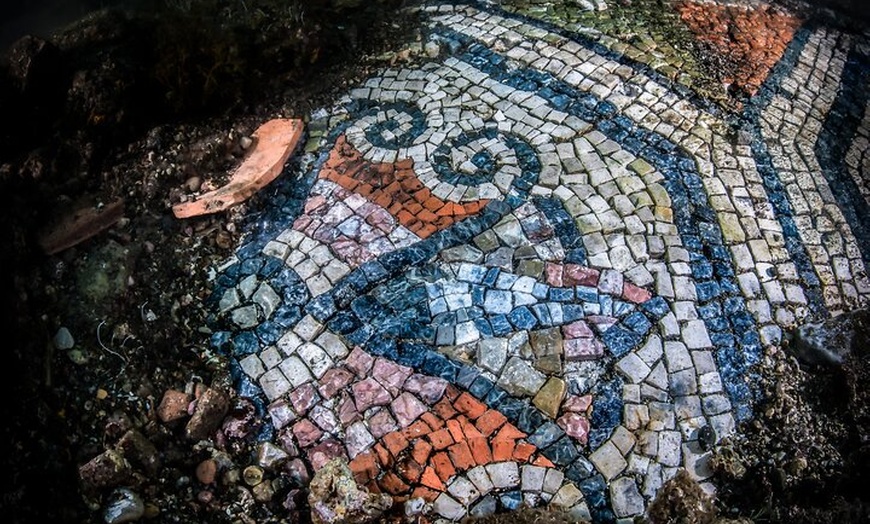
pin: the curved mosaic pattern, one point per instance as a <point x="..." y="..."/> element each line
<point x="533" y="272"/>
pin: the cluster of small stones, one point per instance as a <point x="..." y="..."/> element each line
<point x="532" y="273"/>
<point x="752" y="38"/>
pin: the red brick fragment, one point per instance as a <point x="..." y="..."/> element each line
<point x="80" y="226"/>
<point x="421" y="451"/>
<point x="503" y="449"/>
<point x="392" y="484"/>
<point x="364" y="467"/>
<point x="429" y="495"/>
<point x="275" y="141"/>
<point x="454" y="426"/>
<point x="480" y="450"/>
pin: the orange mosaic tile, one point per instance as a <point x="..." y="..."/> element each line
<point x="470" y="406"/>
<point x="751" y="38"/>
<point x="490" y="421"/>
<point x="396" y="188"/>
<point x="420" y="463"/>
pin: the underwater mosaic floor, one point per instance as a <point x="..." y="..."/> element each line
<point x="534" y="270"/>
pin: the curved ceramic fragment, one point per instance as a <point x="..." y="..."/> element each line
<point x="276" y="140"/>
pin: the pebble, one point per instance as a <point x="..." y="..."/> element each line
<point x="193" y="184"/>
<point x="432" y="49"/>
<point x="173" y="406"/>
<point x="206" y="471"/>
<point x="63" y="339"/>
<point x="208" y="414"/>
<point x="126" y="506"/>
<point x="252" y="475"/>
<point x="270" y="456"/>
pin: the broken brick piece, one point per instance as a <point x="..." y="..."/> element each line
<point x="80" y="226"/>
<point x="364" y="467"/>
<point x="429" y="495"/>
<point x="276" y="140"/>
<point x="392" y="484"/>
<point x="480" y="450"/>
<point x="503" y="449"/>
<point x="454" y="426"/>
<point x="433" y="421"/>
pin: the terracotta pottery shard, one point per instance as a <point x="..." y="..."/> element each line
<point x="276" y="140"/>
<point x="80" y="226"/>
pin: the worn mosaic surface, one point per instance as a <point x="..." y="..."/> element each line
<point x="536" y="269"/>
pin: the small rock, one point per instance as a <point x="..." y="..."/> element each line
<point x="173" y="406"/>
<point x="193" y="184"/>
<point x="107" y="469"/>
<point x="707" y="438"/>
<point x="140" y="450"/>
<point x="206" y="471"/>
<point x="208" y="414"/>
<point x="205" y="497"/>
<point x="297" y="472"/>
<point x="291" y="501"/>
<point x="126" y="506"/>
<point x="263" y="492"/>
<point x="832" y="341"/>
<point x="415" y="506"/>
<point x="242" y="420"/>
<point x="63" y="339"/>
<point x="253" y="475"/>
<point x="245" y="142"/>
<point x="432" y="49"/>
<point x="32" y="63"/>
<point x="269" y="455"/>
<point x="77" y="356"/>
<point x="151" y="510"/>
<point x="118" y="424"/>
<point x="335" y="498"/>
